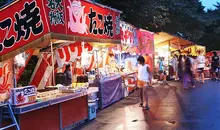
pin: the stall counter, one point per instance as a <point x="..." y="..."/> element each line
<point x="59" y="113"/>
<point x="110" y="90"/>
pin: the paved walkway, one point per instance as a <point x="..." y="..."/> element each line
<point x="172" y="108"/>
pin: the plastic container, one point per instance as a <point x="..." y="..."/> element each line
<point x="92" y="96"/>
<point x="92" y="111"/>
<point x="96" y="101"/>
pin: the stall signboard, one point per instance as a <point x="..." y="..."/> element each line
<point x="83" y="18"/>
<point x="146" y="42"/>
<point x="175" y="43"/>
<point x="23" y="95"/>
<point x="64" y="55"/>
<point x="55" y="15"/>
<point x="193" y="50"/>
<point x="70" y="53"/>
<point x="24" y="21"/>
<point x="129" y="37"/>
<point x="20" y="24"/>
<point x="87" y="19"/>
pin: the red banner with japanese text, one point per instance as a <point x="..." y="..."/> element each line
<point x="27" y="20"/>
<point x="146" y="42"/>
<point x="87" y="19"/>
<point x="82" y="18"/>
<point x="129" y="37"/>
<point x="56" y="19"/>
<point x="20" y="24"/>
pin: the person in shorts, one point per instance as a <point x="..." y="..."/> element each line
<point x="200" y="66"/>
<point x="143" y="80"/>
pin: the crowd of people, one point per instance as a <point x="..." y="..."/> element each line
<point x="186" y="68"/>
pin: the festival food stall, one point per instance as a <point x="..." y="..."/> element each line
<point x="193" y="50"/>
<point x="210" y="54"/>
<point x="164" y="45"/>
<point x="109" y="77"/>
<point x="134" y="42"/>
<point x="127" y="56"/>
<point x="58" y="33"/>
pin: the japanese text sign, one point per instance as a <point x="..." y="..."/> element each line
<point x="23" y="95"/>
<point x="55" y="15"/>
<point x="146" y="42"/>
<point x="27" y="20"/>
<point x="20" y="24"/>
<point x="129" y="37"/>
<point x="56" y="12"/>
<point x="86" y="19"/>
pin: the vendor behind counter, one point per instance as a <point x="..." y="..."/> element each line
<point x="64" y="78"/>
<point x="68" y="74"/>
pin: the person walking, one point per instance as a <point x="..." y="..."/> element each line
<point x="149" y="62"/>
<point x="192" y="62"/>
<point x="143" y="80"/>
<point x="162" y="72"/>
<point x="200" y="66"/>
<point x="194" y="65"/>
<point x="188" y="73"/>
<point x="215" y="65"/>
<point x="174" y="64"/>
<point x="180" y="67"/>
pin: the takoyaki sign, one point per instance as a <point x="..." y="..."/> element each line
<point x="26" y="21"/>
<point x="83" y="18"/>
<point x="87" y="19"/>
<point x="21" y="23"/>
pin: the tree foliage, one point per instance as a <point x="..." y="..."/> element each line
<point x="5" y="2"/>
<point x="184" y="16"/>
<point x="211" y="38"/>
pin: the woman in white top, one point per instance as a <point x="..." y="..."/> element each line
<point x="143" y="80"/>
<point x="200" y="66"/>
<point x="174" y="64"/>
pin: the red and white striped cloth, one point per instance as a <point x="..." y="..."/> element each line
<point x="42" y="71"/>
<point x="42" y="74"/>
